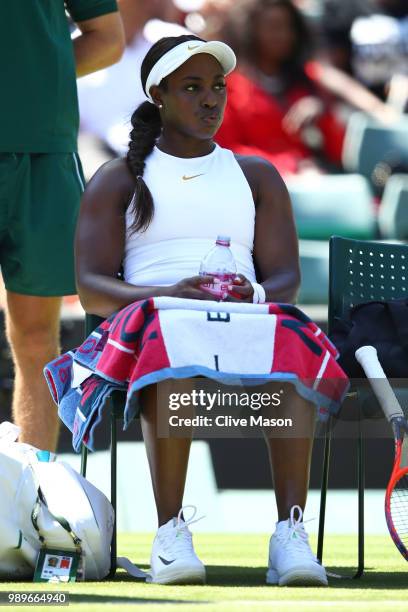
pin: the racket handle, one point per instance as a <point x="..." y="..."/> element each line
<point x="368" y="359"/>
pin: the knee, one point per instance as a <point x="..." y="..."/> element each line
<point x="33" y="340"/>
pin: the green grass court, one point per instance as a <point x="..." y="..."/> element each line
<point x="235" y="580"/>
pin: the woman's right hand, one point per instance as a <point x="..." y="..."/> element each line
<point x="191" y="288"/>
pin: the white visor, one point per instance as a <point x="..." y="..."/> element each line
<point x="174" y="58"/>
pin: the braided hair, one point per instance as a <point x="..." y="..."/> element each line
<point x="146" y="128"/>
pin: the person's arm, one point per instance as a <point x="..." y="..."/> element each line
<point x="348" y="89"/>
<point x="100" y="243"/>
<point x="276" y="254"/>
<point x="100" y="44"/>
<point x="102" y="40"/>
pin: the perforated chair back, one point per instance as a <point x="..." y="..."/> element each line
<point x="361" y="271"/>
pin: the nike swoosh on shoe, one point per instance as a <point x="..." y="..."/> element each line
<point x="165" y="561"/>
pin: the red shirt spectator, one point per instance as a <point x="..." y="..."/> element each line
<point x="255" y="124"/>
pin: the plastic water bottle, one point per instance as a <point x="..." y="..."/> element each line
<point x="219" y="263"/>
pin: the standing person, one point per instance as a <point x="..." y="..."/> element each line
<point x="157" y="212"/>
<point x="41" y="180"/>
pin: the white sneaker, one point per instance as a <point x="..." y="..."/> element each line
<point x="291" y="561"/>
<point x="173" y="559"/>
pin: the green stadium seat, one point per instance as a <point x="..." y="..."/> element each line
<point x="314" y="267"/>
<point x="324" y="205"/>
<point x="393" y="213"/>
<point x="368" y="142"/>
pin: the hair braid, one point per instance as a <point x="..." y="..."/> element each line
<point x="146" y="124"/>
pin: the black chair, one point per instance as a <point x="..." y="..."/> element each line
<point x="116" y="403"/>
<point x="359" y="271"/>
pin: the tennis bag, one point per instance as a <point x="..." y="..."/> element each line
<point x="383" y="324"/>
<point x="44" y="502"/>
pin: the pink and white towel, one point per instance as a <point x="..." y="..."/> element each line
<point x="160" y="338"/>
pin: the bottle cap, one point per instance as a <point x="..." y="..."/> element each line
<point x="223" y="240"/>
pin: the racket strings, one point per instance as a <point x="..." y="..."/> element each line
<point x="399" y="509"/>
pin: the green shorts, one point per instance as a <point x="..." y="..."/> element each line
<point x="39" y="202"/>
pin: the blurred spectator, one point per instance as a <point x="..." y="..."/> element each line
<point x="107" y="98"/>
<point x="368" y="39"/>
<point x="276" y="107"/>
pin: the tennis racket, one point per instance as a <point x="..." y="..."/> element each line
<point x="396" y="495"/>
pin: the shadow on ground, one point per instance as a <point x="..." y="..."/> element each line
<point x="371" y="579"/>
<point x="82" y="598"/>
<point x="243" y="576"/>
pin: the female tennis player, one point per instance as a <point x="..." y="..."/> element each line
<point x="157" y="212"/>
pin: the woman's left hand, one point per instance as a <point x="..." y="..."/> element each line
<point x="240" y="290"/>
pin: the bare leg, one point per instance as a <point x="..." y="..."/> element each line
<point x="168" y="460"/>
<point x="32" y="325"/>
<point x="290" y="457"/>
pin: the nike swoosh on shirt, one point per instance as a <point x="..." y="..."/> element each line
<point x="165" y="561"/>
<point x="188" y="178"/>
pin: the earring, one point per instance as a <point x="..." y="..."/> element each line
<point x="160" y="105"/>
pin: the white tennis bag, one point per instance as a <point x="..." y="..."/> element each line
<point x="44" y="502"/>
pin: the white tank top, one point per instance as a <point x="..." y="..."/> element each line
<point x="195" y="199"/>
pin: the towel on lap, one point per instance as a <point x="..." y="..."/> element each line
<point x="160" y="338"/>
